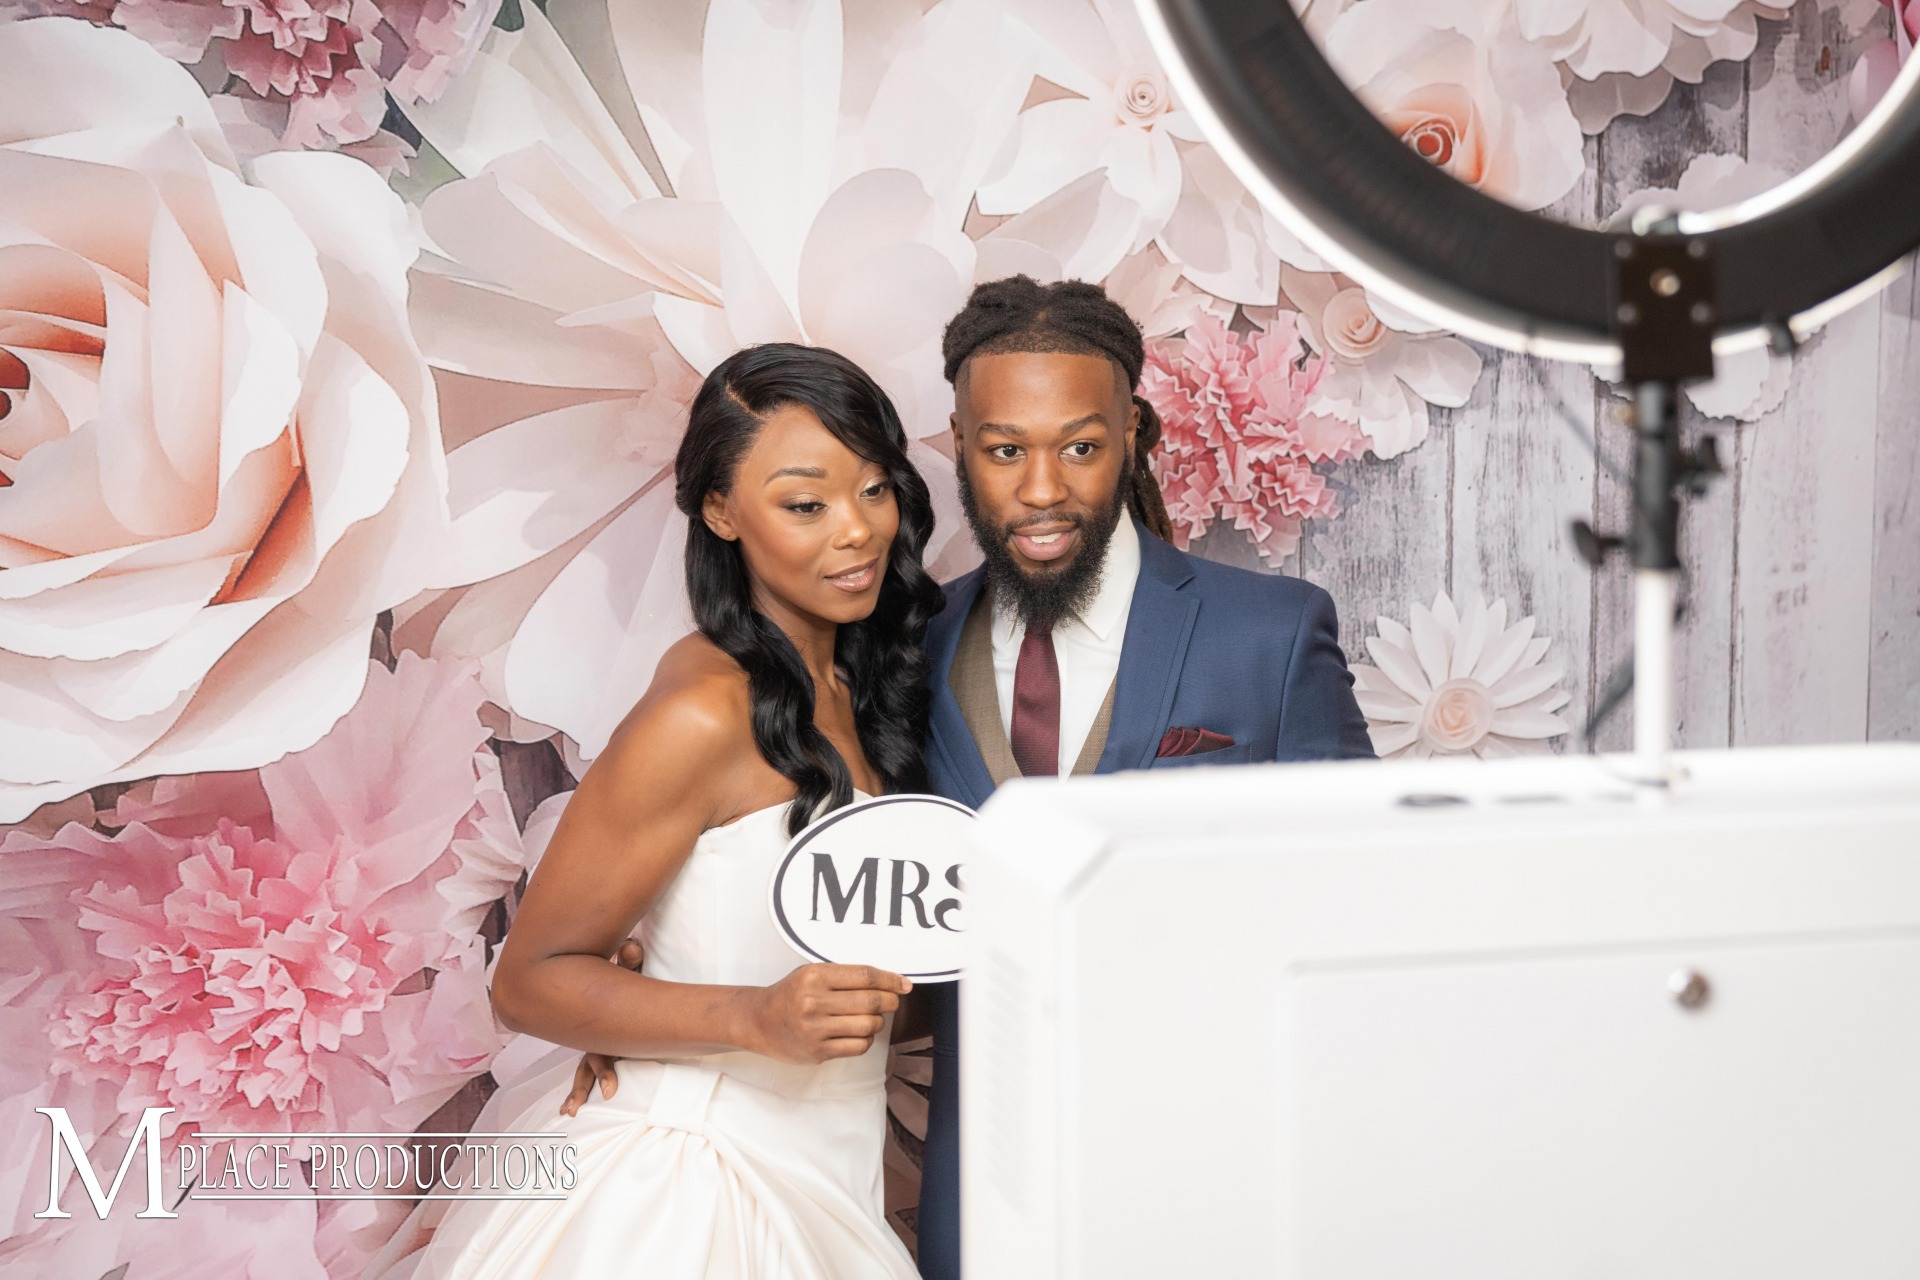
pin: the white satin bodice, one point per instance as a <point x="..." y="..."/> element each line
<point x="718" y="1165"/>
<point x="714" y="924"/>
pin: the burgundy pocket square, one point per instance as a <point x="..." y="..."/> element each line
<point x="1191" y="742"/>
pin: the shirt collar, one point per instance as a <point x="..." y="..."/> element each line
<point x="1111" y="599"/>
<point x="1117" y="579"/>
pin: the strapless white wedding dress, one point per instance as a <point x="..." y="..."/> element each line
<point x="724" y="1165"/>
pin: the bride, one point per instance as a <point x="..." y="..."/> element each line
<point x="744" y="1137"/>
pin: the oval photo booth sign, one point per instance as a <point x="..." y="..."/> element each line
<point x="879" y="883"/>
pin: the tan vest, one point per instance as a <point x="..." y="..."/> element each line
<point x="971" y="680"/>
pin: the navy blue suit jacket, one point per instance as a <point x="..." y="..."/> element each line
<point x="1250" y="655"/>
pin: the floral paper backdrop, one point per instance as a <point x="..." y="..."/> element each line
<point x="343" y="328"/>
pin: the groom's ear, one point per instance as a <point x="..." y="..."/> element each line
<point x="714" y="511"/>
<point x="959" y="436"/>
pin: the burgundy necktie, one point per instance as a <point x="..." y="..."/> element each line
<point x="1036" y="706"/>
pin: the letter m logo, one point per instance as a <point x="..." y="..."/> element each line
<point x="65" y="1138"/>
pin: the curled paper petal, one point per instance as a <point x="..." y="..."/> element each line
<point x="1623" y="58"/>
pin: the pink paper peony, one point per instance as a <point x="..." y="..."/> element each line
<point x="260" y="1240"/>
<point x="325" y="65"/>
<point x="1236" y="441"/>
<point x="230" y="990"/>
<point x="319" y="969"/>
<point x="289" y="949"/>
<point x="219" y="446"/>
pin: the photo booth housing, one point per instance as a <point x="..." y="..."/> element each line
<point x="1523" y="1020"/>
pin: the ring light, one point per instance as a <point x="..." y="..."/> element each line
<point x="1316" y="156"/>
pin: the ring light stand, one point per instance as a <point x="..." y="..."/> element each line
<point x="1657" y="301"/>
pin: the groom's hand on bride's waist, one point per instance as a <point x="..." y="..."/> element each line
<point x="598" y="1066"/>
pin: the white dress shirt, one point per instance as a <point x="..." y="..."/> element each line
<point x="1086" y="644"/>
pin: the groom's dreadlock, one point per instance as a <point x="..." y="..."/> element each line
<point x="1019" y="314"/>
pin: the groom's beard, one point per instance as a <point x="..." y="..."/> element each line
<point x="1041" y="599"/>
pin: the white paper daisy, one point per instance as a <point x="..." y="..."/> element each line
<point x="1460" y="682"/>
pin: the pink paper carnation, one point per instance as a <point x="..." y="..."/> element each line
<point x="1235" y="441"/>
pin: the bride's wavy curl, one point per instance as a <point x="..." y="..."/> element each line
<point x="880" y="656"/>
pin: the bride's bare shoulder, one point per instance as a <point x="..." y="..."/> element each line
<point x="698" y="704"/>
<point x="695" y="666"/>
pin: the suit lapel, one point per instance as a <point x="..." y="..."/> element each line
<point x="972" y="681"/>
<point x="948" y="725"/>
<point x="1159" y="625"/>
<point x="1095" y="746"/>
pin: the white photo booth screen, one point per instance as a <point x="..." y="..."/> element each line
<point x="1455" y="1021"/>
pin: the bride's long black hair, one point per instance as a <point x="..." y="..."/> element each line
<point x="884" y="665"/>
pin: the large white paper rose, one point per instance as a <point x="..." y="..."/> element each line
<point x="1637" y="37"/>
<point x="1457" y="82"/>
<point x="574" y="301"/>
<point x="219" y="458"/>
<point x="1625" y="55"/>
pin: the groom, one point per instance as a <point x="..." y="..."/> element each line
<point x="1086" y="643"/>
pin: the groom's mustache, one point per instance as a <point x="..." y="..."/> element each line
<point x="1049" y="519"/>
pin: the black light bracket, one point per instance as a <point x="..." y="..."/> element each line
<point x="1664" y="317"/>
<point x="1665" y="313"/>
<point x="1664" y="303"/>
